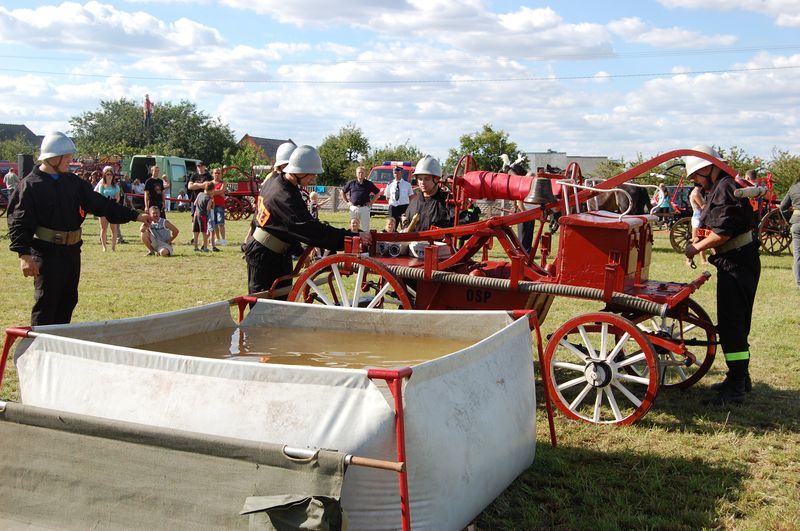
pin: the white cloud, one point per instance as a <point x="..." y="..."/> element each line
<point x="319" y="12"/>
<point x="96" y="26"/>
<point x="633" y="29"/>
<point x="785" y="12"/>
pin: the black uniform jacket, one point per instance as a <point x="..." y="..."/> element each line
<point x="62" y="204"/>
<point x="432" y="210"/>
<point x="724" y="213"/>
<point x="283" y="213"/>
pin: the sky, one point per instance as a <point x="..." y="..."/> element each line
<point x="613" y="78"/>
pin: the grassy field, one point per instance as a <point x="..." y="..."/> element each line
<point x="683" y="466"/>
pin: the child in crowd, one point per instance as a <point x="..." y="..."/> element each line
<point x="203" y="209"/>
<point x="182" y="205"/>
<point x="355" y="225"/>
<point x="391" y="225"/>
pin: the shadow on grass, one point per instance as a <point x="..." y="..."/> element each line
<point x="582" y="488"/>
<point x="766" y="409"/>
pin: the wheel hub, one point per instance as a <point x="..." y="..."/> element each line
<point x="598" y="373"/>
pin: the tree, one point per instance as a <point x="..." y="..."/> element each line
<point x="244" y="158"/>
<point x="485" y="146"/>
<point x="340" y="154"/>
<point x="179" y="130"/>
<point x="738" y="159"/>
<point x="404" y="152"/>
<point x="9" y="149"/>
<point x="785" y="170"/>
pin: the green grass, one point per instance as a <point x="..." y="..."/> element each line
<point x="683" y="466"/>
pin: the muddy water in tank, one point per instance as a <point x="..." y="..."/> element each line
<point x="317" y="348"/>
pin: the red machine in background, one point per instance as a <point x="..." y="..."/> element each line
<point x="600" y="367"/>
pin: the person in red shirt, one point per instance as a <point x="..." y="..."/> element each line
<point x="219" y="206"/>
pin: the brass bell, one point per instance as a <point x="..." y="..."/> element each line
<point x="541" y="192"/>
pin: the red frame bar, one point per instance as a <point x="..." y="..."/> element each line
<point x="394" y="379"/>
<point x="12" y="334"/>
<point x="533" y="323"/>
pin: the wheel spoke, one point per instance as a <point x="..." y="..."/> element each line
<point x="613" y="403"/>
<point x="630" y="396"/>
<point x="379" y="296"/>
<point x="325" y="300"/>
<point x="357" y="289"/>
<point x="340" y="284"/>
<point x="689" y="327"/>
<point x="578" y="399"/>
<point x="587" y="342"/>
<point x="633" y="379"/>
<point x="571" y="383"/>
<point x="619" y="345"/>
<point x="572" y="348"/>
<point x="633" y="359"/>
<point x="603" y="340"/>
<point x="570" y="366"/>
<point x="598" y="402"/>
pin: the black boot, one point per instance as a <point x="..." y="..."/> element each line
<point x="748" y="384"/>
<point x="732" y="393"/>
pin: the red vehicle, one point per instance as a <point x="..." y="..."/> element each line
<point x="599" y="367"/>
<point x="382" y="175"/>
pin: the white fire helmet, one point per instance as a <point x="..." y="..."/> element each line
<point x="55" y="144"/>
<point x="284" y="152"/>
<point x="428" y="165"/>
<point x="304" y="159"/>
<point x="696" y="163"/>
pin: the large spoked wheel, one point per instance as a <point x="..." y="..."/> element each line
<point x="774" y="233"/>
<point x="233" y="209"/>
<point x="587" y="360"/>
<point x="689" y="323"/>
<point x="680" y="234"/>
<point x="352" y="281"/>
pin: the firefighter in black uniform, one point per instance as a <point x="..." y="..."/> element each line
<point x="428" y="206"/>
<point x="283" y="222"/>
<point x="729" y="223"/>
<point x="45" y="213"/>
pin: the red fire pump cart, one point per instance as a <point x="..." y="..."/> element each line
<point x="600" y="367"/>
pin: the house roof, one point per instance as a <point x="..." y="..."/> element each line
<point x="12" y="131"/>
<point x="268" y="145"/>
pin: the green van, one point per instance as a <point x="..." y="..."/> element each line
<point x="176" y="169"/>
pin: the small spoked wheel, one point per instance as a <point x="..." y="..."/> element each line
<point x="588" y="360"/>
<point x="689" y="323"/>
<point x="774" y="233"/>
<point x="680" y="234"/>
<point x="351" y="281"/>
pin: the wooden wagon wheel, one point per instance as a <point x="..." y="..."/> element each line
<point x="233" y="208"/>
<point x="690" y="322"/>
<point x="349" y="280"/>
<point x="774" y="233"/>
<point x="680" y="234"/>
<point x="586" y="362"/>
<point x="248" y="207"/>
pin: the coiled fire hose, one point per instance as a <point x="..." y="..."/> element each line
<point x="621" y="300"/>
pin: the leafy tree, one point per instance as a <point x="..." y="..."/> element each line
<point x="9" y="149"/>
<point x="340" y="154"/>
<point x="485" y="146"/>
<point x="243" y="158"/>
<point x="785" y="169"/>
<point x="177" y="129"/>
<point x="738" y="159"/>
<point x="404" y="152"/>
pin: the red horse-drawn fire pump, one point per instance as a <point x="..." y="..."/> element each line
<point x="599" y="367"/>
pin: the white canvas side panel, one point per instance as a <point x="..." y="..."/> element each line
<point x="468" y="325"/>
<point x="140" y="330"/>
<point x="470" y="427"/>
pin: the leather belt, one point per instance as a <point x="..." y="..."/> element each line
<point x="737" y="242"/>
<point x="273" y="243"/>
<point x="59" y="237"/>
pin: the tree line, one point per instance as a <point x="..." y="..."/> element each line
<point x="182" y="130"/>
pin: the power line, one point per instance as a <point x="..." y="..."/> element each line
<point x="543" y="58"/>
<point x="411" y="81"/>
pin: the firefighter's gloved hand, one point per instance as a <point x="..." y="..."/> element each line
<point x="690" y="251"/>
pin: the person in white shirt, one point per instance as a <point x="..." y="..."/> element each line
<point x="398" y="194"/>
<point x="11" y="181"/>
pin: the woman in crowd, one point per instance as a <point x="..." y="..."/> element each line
<point x="698" y="203"/>
<point x="110" y="189"/>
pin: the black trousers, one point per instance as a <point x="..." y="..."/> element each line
<point x="525" y="235"/>
<point x="264" y="267"/>
<point x="397" y="211"/>
<point x="738" y="273"/>
<point x="56" y="288"/>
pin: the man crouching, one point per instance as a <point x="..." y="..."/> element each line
<point x="159" y="234"/>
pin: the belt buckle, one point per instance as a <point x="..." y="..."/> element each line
<point x="59" y="238"/>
